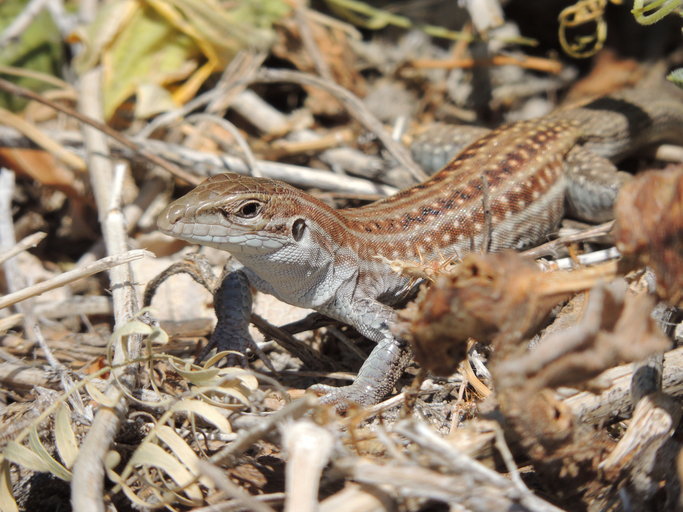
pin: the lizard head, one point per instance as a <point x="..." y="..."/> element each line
<point x="240" y="214"/>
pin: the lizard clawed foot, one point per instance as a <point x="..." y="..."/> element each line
<point x="233" y="358"/>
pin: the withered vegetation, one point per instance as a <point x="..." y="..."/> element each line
<point x="545" y="380"/>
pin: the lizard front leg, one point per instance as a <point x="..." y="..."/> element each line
<point x="232" y="298"/>
<point x="232" y="303"/>
<point x="384" y="365"/>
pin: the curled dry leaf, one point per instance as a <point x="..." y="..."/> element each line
<point x="501" y="299"/>
<point x="483" y="296"/>
<point x="616" y="327"/>
<point x="649" y="229"/>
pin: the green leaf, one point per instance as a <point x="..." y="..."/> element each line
<point x="39" y="48"/>
<point x="148" y="50"/>
<point x="149" y="45"/>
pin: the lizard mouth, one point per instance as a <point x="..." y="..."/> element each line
<point x="180" y="221"/>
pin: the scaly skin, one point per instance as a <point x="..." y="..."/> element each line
<point x="527" y="175"/>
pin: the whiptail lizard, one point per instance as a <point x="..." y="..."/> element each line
<point x="508" y="189"/>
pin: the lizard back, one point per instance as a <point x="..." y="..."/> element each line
<point x="508" y="183"/>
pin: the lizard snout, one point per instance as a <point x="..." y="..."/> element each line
<point x="170" y="217"/>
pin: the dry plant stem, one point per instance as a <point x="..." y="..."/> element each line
<point x="27" y="243"/>
<point x="485" y="15"/>
<point x="275" y="498"/>
<point x="63" y="372"/>
<point x="50" y="358"/>
<point x="551" y="248"/>
<point x="349" y="159"/>
<point x="647" y="377"/>
<point x="64" y="87"/>
<point x="308" y="447"/>
<point x="51" y="146"/>
<point x="151" y="192"/>
<point x="232" y="129"/>
<point x="357" y="498"/>
<point x="507" y="457"/>
<point x="410" y="481"/>
<point x="15" y="279"/>
<point x="73" y="275"/>
<point x="294" y="410"/>
<point x="11" y="88"/>
<point x="88" y="305"/>
<point x="308" y="40"/>
<point x="591" y="258"/>
<point x="482" y="389"/>
<point x="347" y="343"/>
<point x="300" y="176"/>
<point x="150" y="196"/>
<point x="260" y="113"/>
<point x="386" y="404"/>
<point x="7" y="240"/>
<point x="481" y="488"/>
<point x="311" y="358"/>
<point x="12" y="138"/>
<point x="536" y="63"/>
<point x="243" y="64"/>
<point x="315" y="142"/>
<point x="18" y="376"/>
<point x="294" y="174"/>
<point x="87" y="486"/>
<point x="10" y="322"/>
<point x="231" y="489"/>
<point x="234" y="80"/>
<point x="615" y="401"/>
<point x="394" y="449"/>
<point x="669" y="153"/>
<point x="355" y="107"/>
<point x="655" y="419"/>
<point x="563" y="342"/>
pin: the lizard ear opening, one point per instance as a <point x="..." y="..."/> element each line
<point x="298" y="229"/>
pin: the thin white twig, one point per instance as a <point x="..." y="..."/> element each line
<point x="73" y="275"/>
<point x="63" y="372"/>
<point x="27" y="243"/>
<point x="232" y="129"/>
<point x="117" y="185"/>
<point x="22" y="21"/>
<point x="509" y="461"/>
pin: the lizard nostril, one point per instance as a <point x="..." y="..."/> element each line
<point x="175" y="213"/>
<point x="169" y="217"/>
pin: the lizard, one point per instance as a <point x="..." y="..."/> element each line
<point x="508" y="189"/>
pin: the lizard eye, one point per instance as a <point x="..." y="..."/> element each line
<point x="249" y="210"/>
